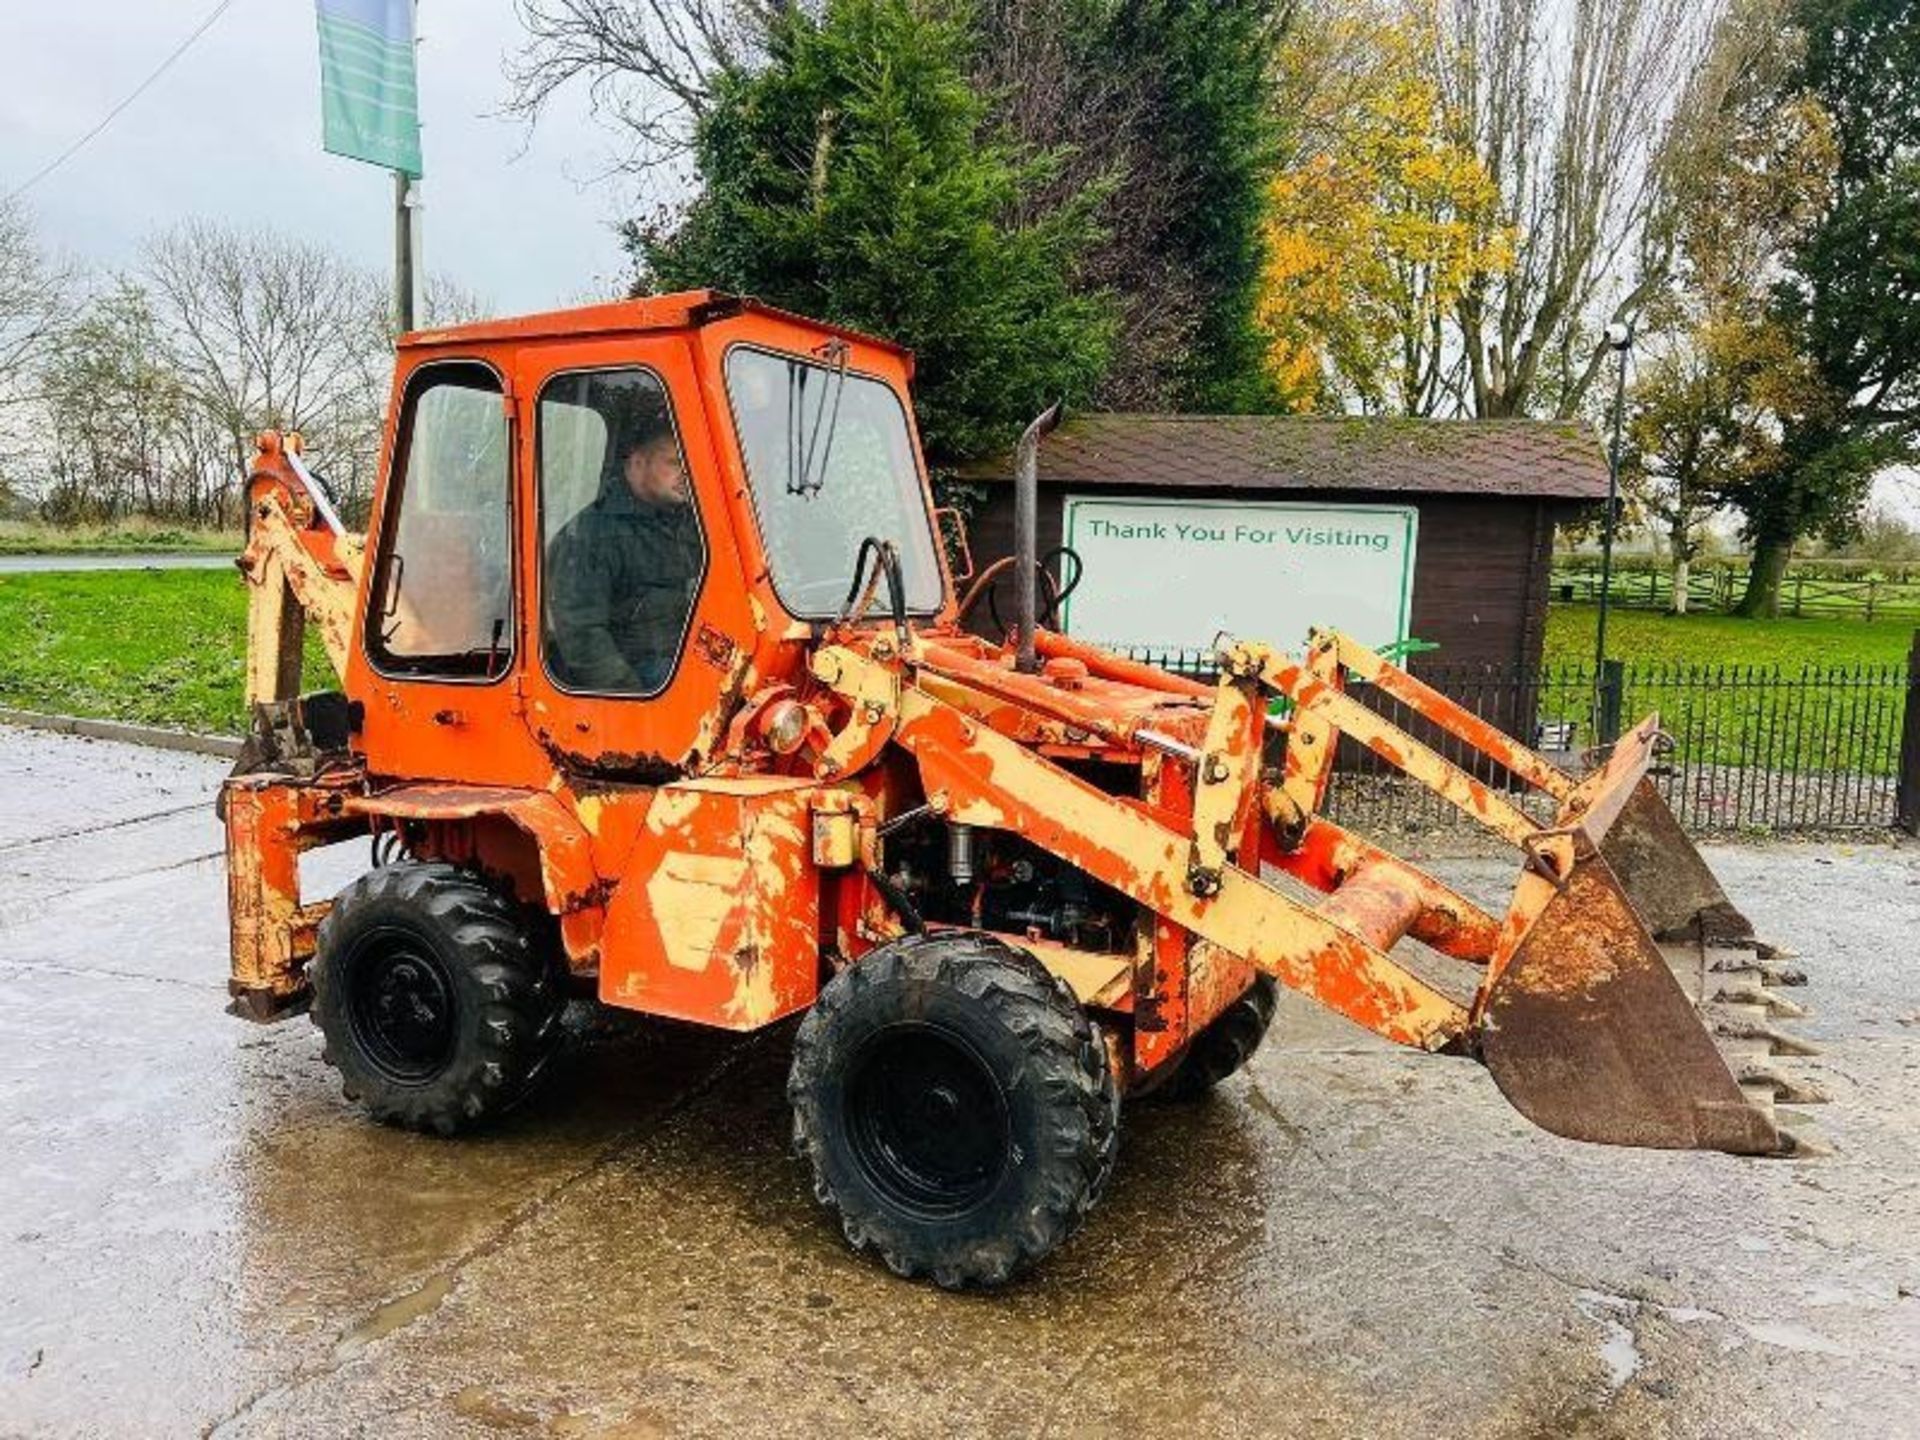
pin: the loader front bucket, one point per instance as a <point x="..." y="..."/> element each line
<point x="1582" y="1021"/>
<point x="1664" y="877"/>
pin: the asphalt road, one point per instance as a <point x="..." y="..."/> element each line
<point x="25" y="564"/>
<point x="198" y="1236"/>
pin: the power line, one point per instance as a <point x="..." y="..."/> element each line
<point x="114" y="114"/>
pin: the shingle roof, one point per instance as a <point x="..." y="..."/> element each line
<point x="1552" y="458"/>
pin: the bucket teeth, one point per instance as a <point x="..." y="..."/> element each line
<point x="1733" y="984"/>
<point x="1733" y="1027"/>
<point x="1771" y="972"/>
<point x="1801" y="1144"/>
<point x="1746" y="992"/>
<point x="1785" y="1089"/>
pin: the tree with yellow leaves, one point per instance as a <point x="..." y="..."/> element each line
<point x="1380" y="223"/>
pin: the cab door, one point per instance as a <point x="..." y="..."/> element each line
<point x="640" y="621"/>
<point x="440" y="640"/>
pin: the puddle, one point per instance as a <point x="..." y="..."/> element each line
<point x="395" y="1315"/>
<point x="1618" y="1351"/>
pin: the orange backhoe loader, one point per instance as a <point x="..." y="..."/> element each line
<point x="655" y="688"/>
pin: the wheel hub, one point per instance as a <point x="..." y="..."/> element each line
<point x="402" y="1008"/>
<point x="927" y="1120"/>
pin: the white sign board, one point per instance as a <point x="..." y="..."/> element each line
<point x="1176" y="573"/>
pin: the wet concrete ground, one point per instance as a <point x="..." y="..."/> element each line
<point x="196" y="1235"/>
<point x="29" y="564"/>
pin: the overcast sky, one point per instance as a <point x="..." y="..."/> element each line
<point x="232" y="131"/>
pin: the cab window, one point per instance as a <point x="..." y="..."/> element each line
<point x="442" y="601"/>
<point x="620" y="533"/>
<point x="830" y="462"/>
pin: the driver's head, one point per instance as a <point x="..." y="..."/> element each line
<point x="650" y="463"/>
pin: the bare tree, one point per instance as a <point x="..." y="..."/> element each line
<point x="36" y="293"/>
<point x="1099" y="127"/>
<point x="1580" y="111"/>
<point x="113" y="415"/>
<point x="648" y="65"/>
<point x="274" y="332"/>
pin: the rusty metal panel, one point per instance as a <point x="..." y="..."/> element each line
<point x="1663" y="875"/>
<point x="270" y="936"/>
<point x="716" y="918"/>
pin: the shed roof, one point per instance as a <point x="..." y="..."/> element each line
<point x="1557" y="459"/>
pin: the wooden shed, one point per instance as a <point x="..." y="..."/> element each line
<point x="1442" y="530"/>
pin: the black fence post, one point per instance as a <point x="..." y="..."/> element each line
<point x="1613" y="695"/>
<point x="1907" y="793"/>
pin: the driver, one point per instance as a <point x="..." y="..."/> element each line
<point x="621" y="575"/>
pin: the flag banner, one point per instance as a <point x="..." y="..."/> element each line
<point x="369" y="92"/>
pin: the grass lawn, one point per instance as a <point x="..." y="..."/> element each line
<point x="130" y="536"/>
<point x="1732" y="691"/>
<point x="163" y="647"/>
<point x="1645" y="636"/>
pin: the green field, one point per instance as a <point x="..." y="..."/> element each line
<point x="153" y="647"/>
<point x="1641" y="637"/>
<point x="1807" y="696"/>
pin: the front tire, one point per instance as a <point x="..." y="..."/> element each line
<point x="956" y="1105"/>
<point x="438" y="1007"/>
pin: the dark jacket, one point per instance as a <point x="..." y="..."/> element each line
<point x="621" y="577"/>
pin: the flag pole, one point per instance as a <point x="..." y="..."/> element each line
<point x="403" y="259"/>
<point x="406" y="227"/>
<point x="370" y="110"/>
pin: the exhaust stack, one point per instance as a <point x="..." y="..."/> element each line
<point x="1026" y="538"/>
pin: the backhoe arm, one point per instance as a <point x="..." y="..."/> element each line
<point x="300" y="563"/>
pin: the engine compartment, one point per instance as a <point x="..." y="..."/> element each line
<point x="987" y="879"/>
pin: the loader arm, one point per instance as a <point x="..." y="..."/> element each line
<point x="981" y="777"/>
<point x="1577" y="1015"/>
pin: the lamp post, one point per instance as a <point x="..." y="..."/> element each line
<point x="1620" y="340"/>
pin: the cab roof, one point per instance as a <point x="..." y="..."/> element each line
<point x="684" y="309"/>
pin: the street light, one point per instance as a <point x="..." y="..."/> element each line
<point x="1620" y="341"/>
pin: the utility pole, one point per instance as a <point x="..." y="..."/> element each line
<point x="370" y="111"/>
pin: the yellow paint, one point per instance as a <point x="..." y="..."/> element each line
<point x="1228" y="774"/>
<point x="673" y="806"/>
<point x="590" y="808"/>
<point x="1095" y="977"/>
<point x="692" y="897"/>
<point x="836" y="839"/>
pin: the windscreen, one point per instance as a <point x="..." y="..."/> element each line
<point x="831" y="462"/>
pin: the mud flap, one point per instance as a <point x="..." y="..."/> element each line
<point x="1589" y="1035"/>
<point x="1663" y="877"/>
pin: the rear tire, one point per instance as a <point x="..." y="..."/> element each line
<point x="956" y="1105"/>
<point x="438" y="1007"/>
<point x="1225" y="1046"/>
